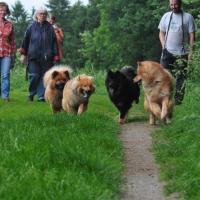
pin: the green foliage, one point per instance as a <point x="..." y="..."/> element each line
<point x="177" y="147"/>
<point x="194" y="64"/>
<point x="124" y="35"/>
<point x="60" y="8"/>
<point x="20" y="20"/>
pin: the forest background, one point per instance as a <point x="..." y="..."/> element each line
<point x="105" y="34"/>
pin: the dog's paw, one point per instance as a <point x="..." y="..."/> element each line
<point x="121" y="121"/>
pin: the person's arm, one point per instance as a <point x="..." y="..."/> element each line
<point x="59" y="34"/>
<point x="55" y="47"/>
<point x="191" y="43"/>
<point x="26" y="41"/>
<point x="12" y="44"/>
<point x="191" y="39"/>
<point x="162" y="38"/>
<point x="23" y="50"/>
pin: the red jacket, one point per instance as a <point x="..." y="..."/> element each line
<point x="7" y="42"/>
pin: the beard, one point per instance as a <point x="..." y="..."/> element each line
<point x="177" y="11"/>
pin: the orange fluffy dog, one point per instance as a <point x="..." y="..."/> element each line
<point x="158" y="90"/>
<point x="54" y="82"/>
<point x="76" y="94"/>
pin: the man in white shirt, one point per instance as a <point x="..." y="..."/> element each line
<point x="177" y="35"/>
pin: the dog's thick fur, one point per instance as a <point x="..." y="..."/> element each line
<point x="76" y="94"/>
<point x="54" y="82"/>
<point x="122" y="90"/>
<point x="158" y="90"/>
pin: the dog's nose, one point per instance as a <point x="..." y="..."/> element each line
<point x="86" y="93"/>
<point x="60" y="86"/>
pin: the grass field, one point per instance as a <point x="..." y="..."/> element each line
<point x="61" y="156"/>
<point x="177" y="148"/>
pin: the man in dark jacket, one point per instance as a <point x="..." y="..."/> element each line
<point x="39" y="49"/>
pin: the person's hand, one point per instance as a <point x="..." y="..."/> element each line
<point x="12" y="64"/>
<point x="23" y="59"/>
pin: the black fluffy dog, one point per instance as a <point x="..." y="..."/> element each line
<point x="122" y="90"/>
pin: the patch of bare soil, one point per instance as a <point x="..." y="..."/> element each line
<point x="141" y="179"/>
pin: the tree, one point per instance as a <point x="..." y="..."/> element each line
<point x="77" y="26"/>
<point x="127" y="33"/>
<point x="60" y="8"/>
<point x="19" y="18"/>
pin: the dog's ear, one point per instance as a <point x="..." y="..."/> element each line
<point x="54" y="74"/>
<point x="67" y="74"/>
<point x="110" y="72"/>
<point x="118" y="73"/>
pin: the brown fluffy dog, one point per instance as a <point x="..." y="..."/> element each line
<point x="76" y="94"/>
<point x="158" y="90"/>
<point x="54" y="82"/>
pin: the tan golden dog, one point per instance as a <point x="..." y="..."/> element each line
<point x="158" y="90"/>
<point x="54" y="82"/>
<point x="76" y="94"/>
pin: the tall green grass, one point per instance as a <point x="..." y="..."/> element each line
<point x="177" y="147"/>
<point x="61" y="156"/>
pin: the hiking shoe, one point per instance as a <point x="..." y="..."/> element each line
<point x="30" y="98"/>
<point x="41" y="100"/>
<point x="6" y="100"/>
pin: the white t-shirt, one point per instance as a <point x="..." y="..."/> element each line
<point x="174" y="43"/>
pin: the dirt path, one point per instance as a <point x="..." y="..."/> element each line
<point x="141" y="172"/>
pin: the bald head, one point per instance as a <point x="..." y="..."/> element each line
<point x="175" y="5"/>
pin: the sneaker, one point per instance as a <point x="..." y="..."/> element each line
<point x="41" y="100"/>
<point x="30" y="98"/>
<point x="6" y="100"/>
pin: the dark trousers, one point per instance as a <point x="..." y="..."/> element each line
<point x="177" y="65"/>
<point x="36" y="71"/>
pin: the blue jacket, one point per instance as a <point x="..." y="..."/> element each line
<point x="39" y="42"/>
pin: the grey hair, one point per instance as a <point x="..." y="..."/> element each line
<point x="41" y="9"/>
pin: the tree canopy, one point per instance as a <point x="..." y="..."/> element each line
<point x="105" y="34"/>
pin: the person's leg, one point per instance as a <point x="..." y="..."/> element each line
<point x="40" y="89"/>
<point x="0" y="77"/>
<point x="181" y="75"/>
<point x="5" y="77"/>
<point x="44" y="66"/>
<point x="33" y="77"/>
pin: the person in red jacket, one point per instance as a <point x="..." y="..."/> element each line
<point x="7" y="50"/>
<point x="59" y="35"/>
